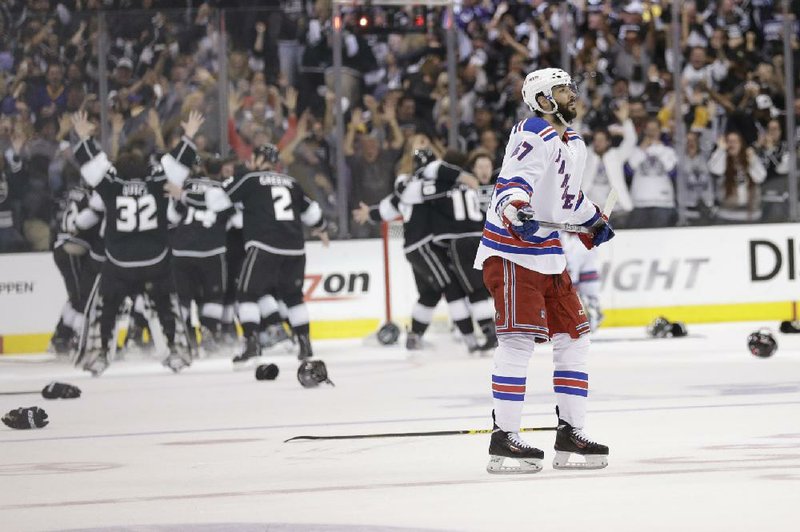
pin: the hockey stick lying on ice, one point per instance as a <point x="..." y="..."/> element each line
<point x="611" y="200"/>
<point x="410" y="434"/>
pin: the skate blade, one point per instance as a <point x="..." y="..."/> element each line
<point x="525" y="466"/>
<point x="591" y="461"/>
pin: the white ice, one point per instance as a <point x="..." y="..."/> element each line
<point x="703" y="436"/>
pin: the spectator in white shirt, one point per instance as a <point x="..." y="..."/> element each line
<point x="698" y="71"/>
<point x="652" y="187"/>
<point x="605" y="167"/>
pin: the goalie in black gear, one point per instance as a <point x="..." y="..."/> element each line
<point x="133" y="194"/>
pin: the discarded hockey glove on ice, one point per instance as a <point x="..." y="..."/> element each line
<point x="60" y="390"/>
<point x="26" y="418"/>
<point x="267" y="372"/>
<point x="518" y="219"/>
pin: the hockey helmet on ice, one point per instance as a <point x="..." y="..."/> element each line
<point x="312" y="372"/>
<point x="659" y="328"/>
<point x="762" y="344"/>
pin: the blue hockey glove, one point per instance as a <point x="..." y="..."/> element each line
<point x="518" y="219"/>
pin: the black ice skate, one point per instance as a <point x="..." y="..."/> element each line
<point x="60" y="345"/>
<point x="413" y="341"/>
<point x="509" y="445"/>
<point x="490" y="337"/>
<point x="569" y="441"/>
<point x="252" y="349"/>
<point x="176" y="361"/>
<point x="135" y="338"/>
<point x="305" y="347"/>
<point x="97" y="365"/>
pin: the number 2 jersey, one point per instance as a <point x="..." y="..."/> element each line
<point x="545" y="170"/>
<point x="274" y="210"/>
<point x="136" y="209"/>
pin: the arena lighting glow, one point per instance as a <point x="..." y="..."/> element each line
<point x="363" y="21"/>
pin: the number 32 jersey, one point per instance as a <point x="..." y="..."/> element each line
<point x="545" y="170"/>
<point x="136" y="208"/>
<point x="274" y="209"/>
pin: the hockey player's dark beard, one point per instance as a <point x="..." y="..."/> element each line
<point x="565" y="112"/>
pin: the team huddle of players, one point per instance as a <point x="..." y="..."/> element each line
<point x="165" y="232"/>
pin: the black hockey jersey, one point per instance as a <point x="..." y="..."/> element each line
<point x="456" y="214"/>
<point x="135" y="208"/>
<point x="90" y="224"/>
<point x="274" y="209"/>
<point x="70" y="206"/>
<point x="416" y="216"/>
<point x="454" y="208"/>
<point x="198" y="231"/>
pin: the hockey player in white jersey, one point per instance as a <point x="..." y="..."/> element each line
<point x="585" y="275"/>
<point x="525" y="271"/>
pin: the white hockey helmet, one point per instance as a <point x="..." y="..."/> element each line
<point x="542" y="82"/>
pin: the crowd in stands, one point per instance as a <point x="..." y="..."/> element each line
<point x="163" y="63"/>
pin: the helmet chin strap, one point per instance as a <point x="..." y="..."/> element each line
<point x="555" y="111"/>
<point x="560" y="117"/>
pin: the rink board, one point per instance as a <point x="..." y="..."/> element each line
<point x="710" y="274"/>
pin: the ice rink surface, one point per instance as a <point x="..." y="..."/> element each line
<point x="703" y="436"/>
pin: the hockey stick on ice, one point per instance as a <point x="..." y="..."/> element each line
<point x="410" y="434"/>
<point x="611" y="200"/>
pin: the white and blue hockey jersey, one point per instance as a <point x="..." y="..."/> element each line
<point x="546" y="171"/>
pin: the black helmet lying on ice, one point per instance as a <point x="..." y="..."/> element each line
<point x="762" y="344"/>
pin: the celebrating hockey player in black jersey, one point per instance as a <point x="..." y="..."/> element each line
<point x="198" y="250"/>
<point x="434" y="273"/>
<point x="136" y="240"/>
<point x="274" y="209"/>
<point x="70" y="254"/>
<point x="457" y="225"/>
